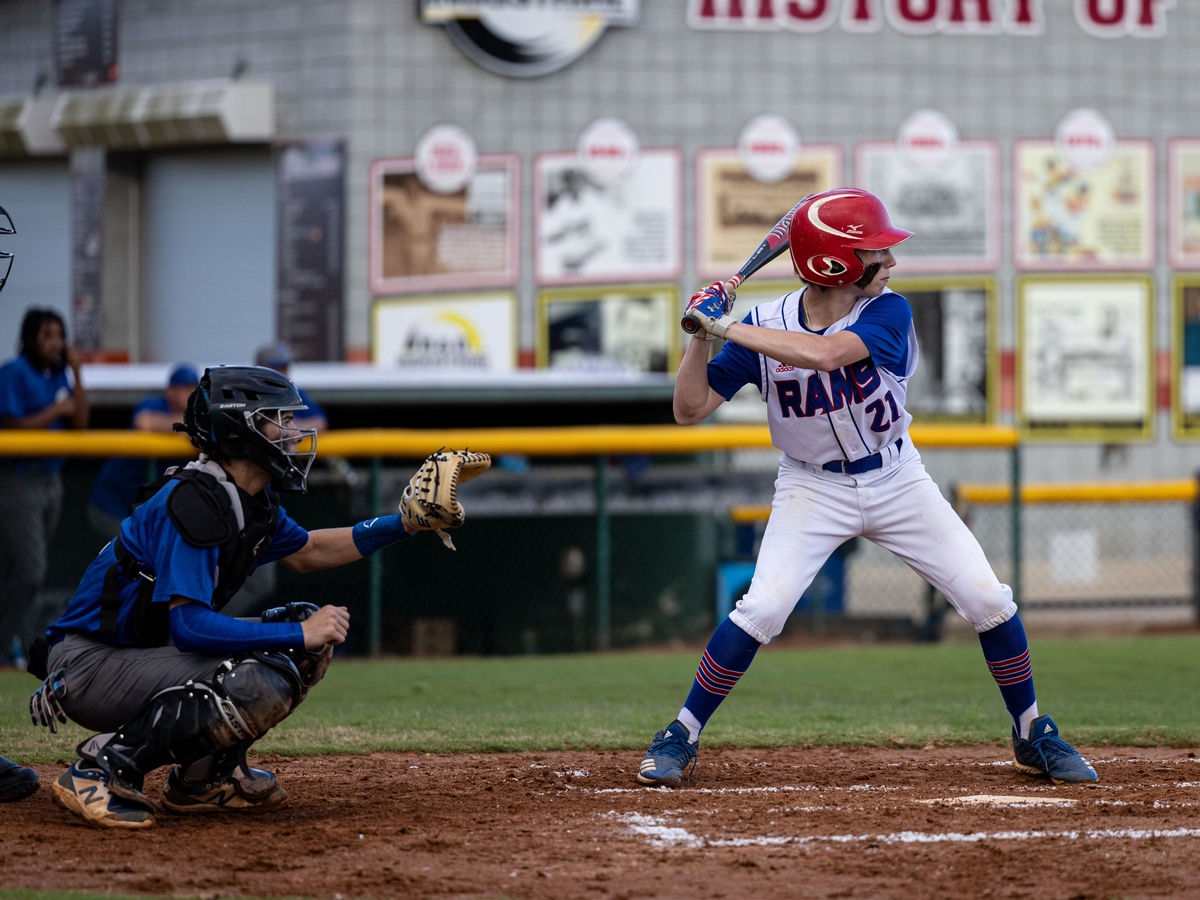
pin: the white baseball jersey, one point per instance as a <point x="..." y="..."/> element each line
<point x="819" y="417"/>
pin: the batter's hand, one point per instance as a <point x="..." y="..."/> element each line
<point x="711" y="304"/>
<point x="328" y="625"/>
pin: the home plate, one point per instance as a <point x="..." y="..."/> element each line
<point x="999" y="800"/>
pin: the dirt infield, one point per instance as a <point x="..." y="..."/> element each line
<point x="824" y="822"/>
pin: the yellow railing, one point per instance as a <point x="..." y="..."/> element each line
<point x="1183" y="490"/>
<point x="588" y="440"/>
<point x="599" y="442"/>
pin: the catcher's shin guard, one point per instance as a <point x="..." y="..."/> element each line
<point x="249" y="694"/>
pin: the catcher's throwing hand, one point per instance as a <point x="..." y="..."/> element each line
<point x="430" y="501"/>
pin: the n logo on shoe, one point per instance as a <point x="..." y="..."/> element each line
<point x="89" y="794"/>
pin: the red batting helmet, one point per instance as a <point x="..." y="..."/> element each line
<point x="829" y="227"/>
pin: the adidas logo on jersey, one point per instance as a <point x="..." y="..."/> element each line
<point x="785" y="368"/>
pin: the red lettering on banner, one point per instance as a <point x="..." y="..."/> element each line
<point x="983" y="10"/>
<point x="915" y="16"/>
<point x="809" y="16"/>
<point x="972" y="17"/>
<point x="1114" y="16"/>
<point x="1152" y="18"/>
<point x="905" y="9"/>
<point x="1025" y="16"/>
<point x="1099" y="18"/>
<point x="861" y="15"/>
<point x="817" y="9"/>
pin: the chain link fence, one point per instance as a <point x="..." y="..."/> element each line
<point x="529" y="574"/>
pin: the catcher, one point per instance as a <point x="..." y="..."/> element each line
<point x="141" y="654"/>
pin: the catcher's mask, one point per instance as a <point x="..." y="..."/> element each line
<point x="6" y="258"/>
<point x="246" y="412"/>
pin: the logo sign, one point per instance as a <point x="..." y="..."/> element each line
<point x="445" y="159"/>
<point x="608" y="151"/>
<point x="470" y="333"/>
<point x="927" y="139"/>
<point x="1086" y="138"/>
<point x="768" y="147"/>
<point x="527" y="38"/>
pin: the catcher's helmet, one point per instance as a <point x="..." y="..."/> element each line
<point x="830" y="226"/>
<point x="242" y="412"/>
<point x="6" y="258"/>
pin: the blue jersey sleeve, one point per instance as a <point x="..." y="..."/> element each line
<point x="883" y="327"/>
<point x="197" y="629"/>
<point x="184" y="570"/>
<point x="734" y="368"/>
<point x="288" y="538"/>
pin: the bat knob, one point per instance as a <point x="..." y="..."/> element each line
<point x="690" y="324"/>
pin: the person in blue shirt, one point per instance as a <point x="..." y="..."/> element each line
<point x="16" y="782"/>
<point x="35" y="393"/>
<point x="143" y="656"/>
<point x="278" y="356"/>
<point x="119" y="478"/>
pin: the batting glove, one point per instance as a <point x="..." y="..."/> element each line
<point x="45" y="706"/>
<point x="709" y="307"/>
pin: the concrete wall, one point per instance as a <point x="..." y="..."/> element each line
<point x="370" y="71"/>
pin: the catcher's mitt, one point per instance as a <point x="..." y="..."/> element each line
<point x="430" y="501"/>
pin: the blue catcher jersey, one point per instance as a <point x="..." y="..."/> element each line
<point x="180" y="569"/>
<point x="819" y="417"/>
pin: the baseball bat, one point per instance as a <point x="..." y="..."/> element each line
<point x="772" y="245"/>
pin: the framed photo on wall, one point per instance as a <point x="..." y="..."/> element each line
<point x="446" y="332"/>
<point x="1085" y="351"/>
<point x="585" y="232"/>
<point x="1069" y="218"/>
<point x="1185" y="356"/>
<point x="422" y="241"/>
<point x="953" y="208"/>
<point x="1183" y="207"/>
<point x="621" y="328"/>
<point x="958" y="372"/>
<point x="734" y="212"/>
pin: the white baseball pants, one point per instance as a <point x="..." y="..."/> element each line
<point x="899" y="507"/>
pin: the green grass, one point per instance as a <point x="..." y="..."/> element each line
<point x="1122" y="691"/>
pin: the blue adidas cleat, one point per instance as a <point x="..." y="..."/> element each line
<point x="1045" y="753"/>
<point x="668" y="758"/>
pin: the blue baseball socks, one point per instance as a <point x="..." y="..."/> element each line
<point x="1007" y="653"/>
<point x="726" y="659"/>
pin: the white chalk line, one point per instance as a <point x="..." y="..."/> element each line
<point x="660" y="834"/>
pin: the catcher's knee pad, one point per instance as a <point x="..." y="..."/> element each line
<point x="262" y="687"/>
<point x="250" y="693"/>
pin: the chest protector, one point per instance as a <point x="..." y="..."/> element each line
<point x="202" y="508"/>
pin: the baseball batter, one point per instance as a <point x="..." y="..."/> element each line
<point x="833" y="360"/>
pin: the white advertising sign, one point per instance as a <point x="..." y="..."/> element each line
<point x="927" y="139"/>
<point x="445" y="158"/>
<point x="1086" y="138"/>
<point x="768" y="147"/>
<point x="473" y="332"/>
<point x="608" y="151"/>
